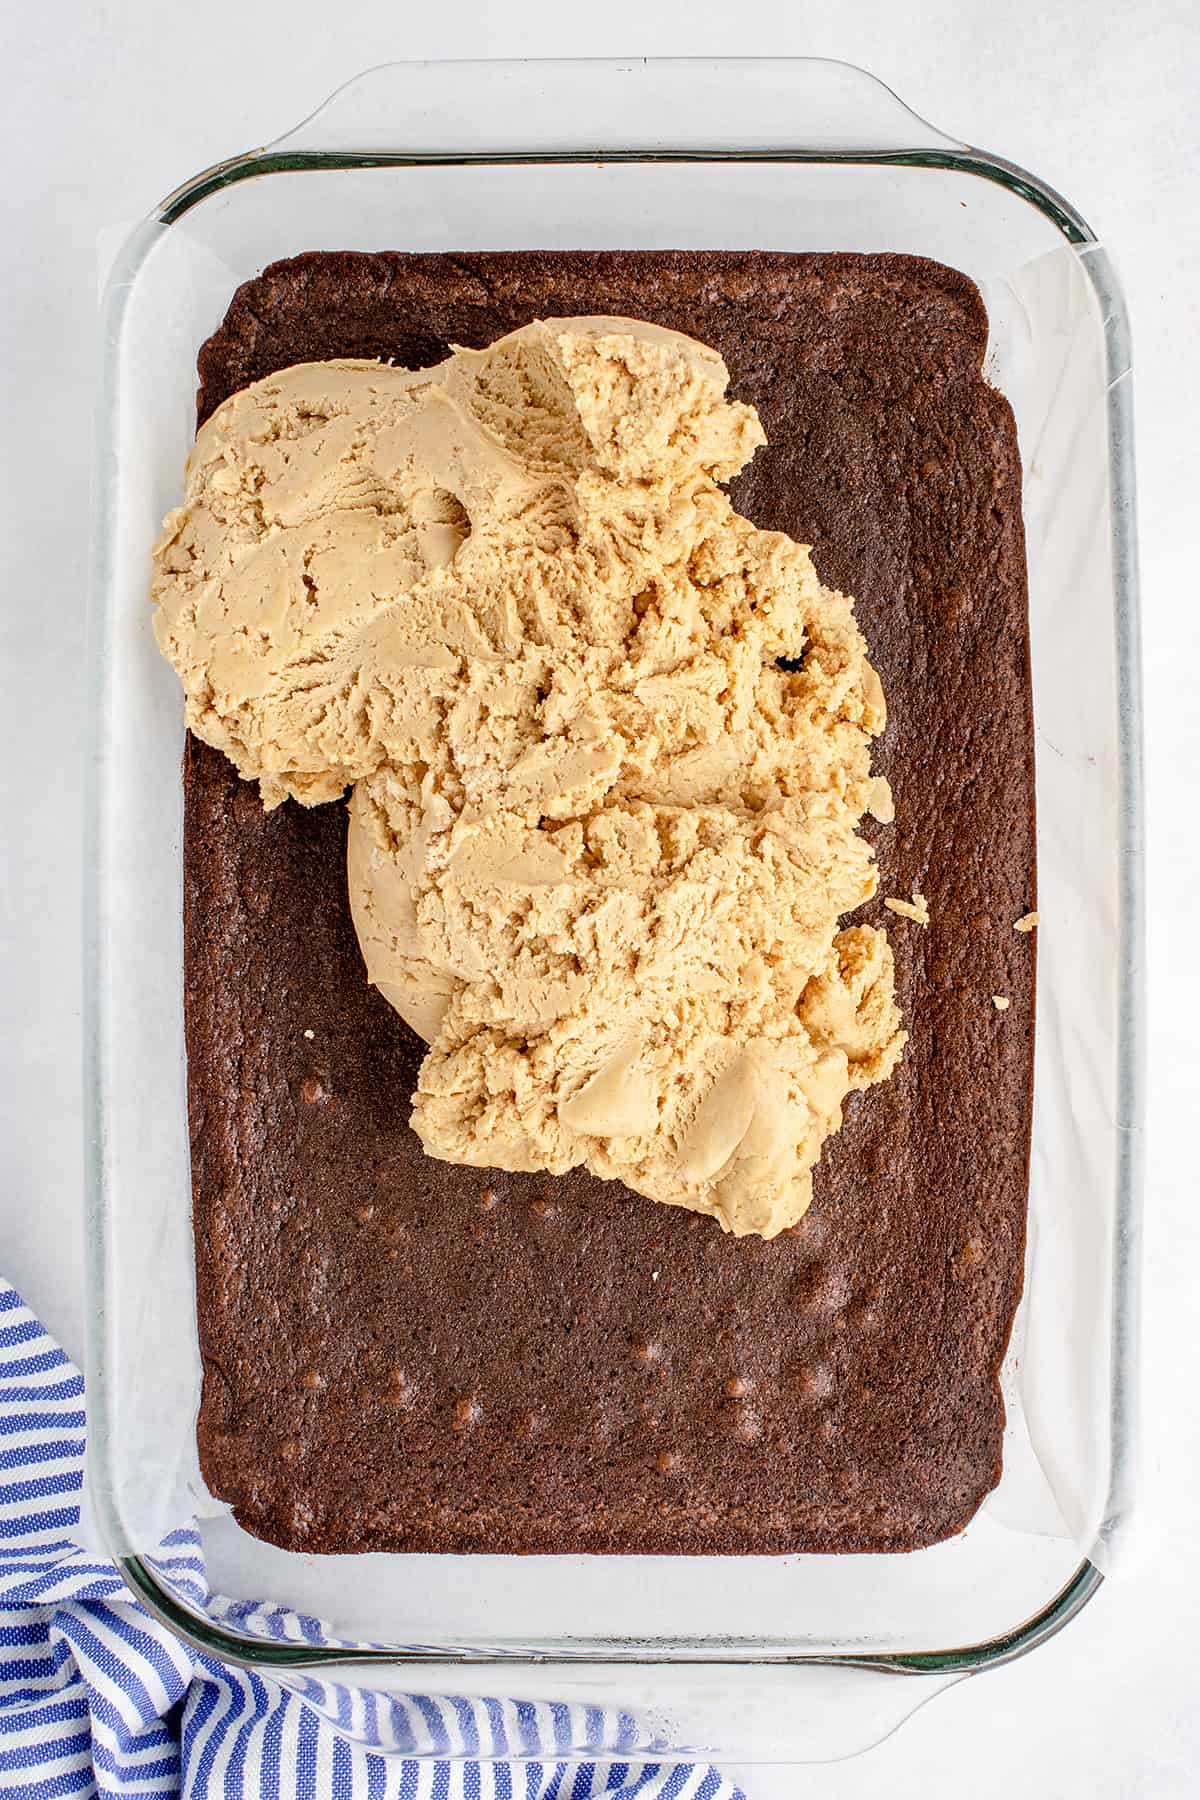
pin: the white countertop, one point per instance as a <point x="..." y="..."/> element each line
<point x="108" y="107"/>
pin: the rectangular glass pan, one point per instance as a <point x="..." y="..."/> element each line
<point x="785" y="155"/>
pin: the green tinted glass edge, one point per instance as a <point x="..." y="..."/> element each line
<point x="215" y="1640"/>
<point x="966" y="161"/>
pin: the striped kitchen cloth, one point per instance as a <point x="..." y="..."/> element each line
<point x="96" y="1697"/>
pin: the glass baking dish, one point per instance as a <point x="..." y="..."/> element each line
<point x="750" y="1658"/>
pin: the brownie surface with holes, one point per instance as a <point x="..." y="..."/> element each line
<point x="403" y="1355"/>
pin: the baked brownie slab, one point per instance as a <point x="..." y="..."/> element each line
<point x="404" y="1355"/>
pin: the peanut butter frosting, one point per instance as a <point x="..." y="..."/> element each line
<point x="608" y="745"/>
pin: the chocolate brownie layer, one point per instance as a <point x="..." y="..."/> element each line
<point x="402" y="1355"/>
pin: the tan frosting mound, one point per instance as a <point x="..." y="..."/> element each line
<point x="602" y="832"/>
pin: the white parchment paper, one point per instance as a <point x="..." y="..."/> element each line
<point x="1046" y="355"/>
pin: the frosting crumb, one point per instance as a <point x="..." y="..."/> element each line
<point x="881" y="806"/>
<point x="1001" y="1002"/>
<point x="1027" y="921"/>
<point x="916" y="909"/>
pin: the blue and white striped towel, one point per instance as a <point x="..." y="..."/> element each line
<point x="97" y="1698"/>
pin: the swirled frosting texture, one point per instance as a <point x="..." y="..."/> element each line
<point x="608" y="744"/>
